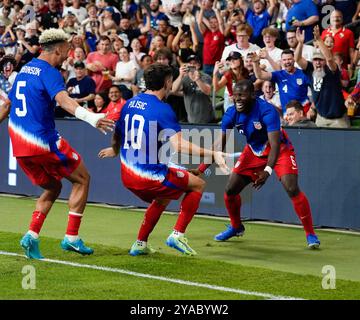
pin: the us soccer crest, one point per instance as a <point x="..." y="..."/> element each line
<point x="299" y="82"/>
<point x="257" y="125"/>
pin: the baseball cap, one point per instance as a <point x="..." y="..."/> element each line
<point x="234" y="55"/>
<point x="21" y="27"/>
<point x="318" y="55"/>
<point x="79" y="64"/>
<point x="193" y="57"/>
<point x="110" y="9"/>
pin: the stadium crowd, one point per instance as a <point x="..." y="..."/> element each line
<point x="299" y="55"/>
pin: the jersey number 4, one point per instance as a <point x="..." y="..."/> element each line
<point x="136" y="131"/>
<point x="21" y="112"/>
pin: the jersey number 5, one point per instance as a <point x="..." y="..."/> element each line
<point x="21" y="112"/>
<point x="136" y="134"/>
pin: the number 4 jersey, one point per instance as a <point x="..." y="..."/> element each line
<point x="144" y="127"/>
<point x="31" y="124"/>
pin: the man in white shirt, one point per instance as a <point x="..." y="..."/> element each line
<point x="307" y="52"/>
<point x="79" y="11"/>
<point x="243" y="33"/>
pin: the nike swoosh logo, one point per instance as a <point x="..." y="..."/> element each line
<point x="75" y="248"/>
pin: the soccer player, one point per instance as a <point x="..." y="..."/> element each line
<point x="268" y="148"/>
<point x="146" y="126"/>
<point x="41" y="152"/>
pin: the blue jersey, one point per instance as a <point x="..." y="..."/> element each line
<point x="31" y="124"/>
<point x="262" y="119"/>
<point x="291" y="86"/>
<point x="301" y="11"/>
<point x="144" y="126"/>
<point x="257" y="22"/>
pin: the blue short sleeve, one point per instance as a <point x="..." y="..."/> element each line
<point x="271" y="119"/>
<point x="227" y="121"/>
<point x="53" y="81"/>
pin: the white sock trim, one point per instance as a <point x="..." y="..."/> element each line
<point x="177" y="233"/>
<point x="33" y="234"/>
<point x="72" y="238"/>
<point x="75" y="214"/>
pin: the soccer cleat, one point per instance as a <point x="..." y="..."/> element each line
<point x="31" y="247"/>
<point x="180" y="243"/>
<point x="230" y="232"/>
<point x="77" y="246"/>
<point x="313" y="241"/>
<point x="138" y="249"/>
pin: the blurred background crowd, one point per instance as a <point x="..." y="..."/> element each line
<point x="302" y="55"/>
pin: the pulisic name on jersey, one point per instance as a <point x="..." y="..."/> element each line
<point x="138" y="104"/>
<point x="31" y="70"/>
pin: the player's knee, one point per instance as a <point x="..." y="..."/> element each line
<point x="292" y="190"/>
<point x="200" y="185"/>
<point x="230" y="190"/>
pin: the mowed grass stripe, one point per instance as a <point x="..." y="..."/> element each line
<point x="160" y="278"/>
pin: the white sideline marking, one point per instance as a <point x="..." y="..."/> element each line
<point x="149" y="276"/>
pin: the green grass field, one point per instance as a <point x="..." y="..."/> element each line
<point x="268" y="262"/>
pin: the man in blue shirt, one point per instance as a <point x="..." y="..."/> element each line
<point x="143" y="132"/>
<point x="268" y="148"/>
<point x="258" y="17"/>
<point x="304" y="14"/>
<point x="292" y="82"/>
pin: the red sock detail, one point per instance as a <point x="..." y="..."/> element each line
<point x="152" y="216"/>
<point x="189" y="206"/>
<point x="37" y="221"/>
<point x="233" y="205"/>
<point x="302" y="209"/>
<point x="73" y="224"/>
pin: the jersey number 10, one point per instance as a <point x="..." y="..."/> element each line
<point x="136" y="134"/>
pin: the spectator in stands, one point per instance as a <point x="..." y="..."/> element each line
<point x="136" y="53"/>
<point x="5" y="16"/>
<point x="101" y="101"/>
<point x="325" y="82"/>
<point x="113" y="109"/>
<point x="92" y="18"/>
<point x="292" y="43"/>
<point x="232" y="19"/>
<point x="164" y="56"/>
<point x="101" y="64"/>
<point x="155" y="14"/>
<point x="157" y="43"/>
<point x="185" y="43"/>
<point x="29" y="45"/>
<point x="164" y="30"/>
<point x="353" y="100"/>
<point x="343" y="38"/>
<point x="69" y="24"/>
<point x="242" y="45"/>
<point x="196" y="87"/>
<point x="348" y="8"/>
<point x="69" y="64"/>
<point x="118" y="42"/>
<point x="139" y="85"/>
<point x="258" y="17"/>
<point x="269" y="95"/>
<point x="51" y="18"/>
<point x="302" y="14"/>
<point x="329" y="41"/>
<point x="214" y="40"/>
<point x="107" y="22"/>
<point x="292" y="82"/>
<point x="7" y="39"/>
<point x="82" y="87"/>
<point x="232" y="71"/>
<point x="295" y="116"/>
<point x="339" y="60"/>
<point x="131" y="33"/>
<point x="77" y="10"/>
<point x="7" y="67"/>
<point x="125" y="73"/>
<point x="271" y="55"/>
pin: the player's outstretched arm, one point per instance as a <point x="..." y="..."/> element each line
<point x="183" y="146"/>
<point x="112" y="151"/>
<point x="274" y="140"/>
<point x="4" y="110"/>
<point x="97" y="120"/>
